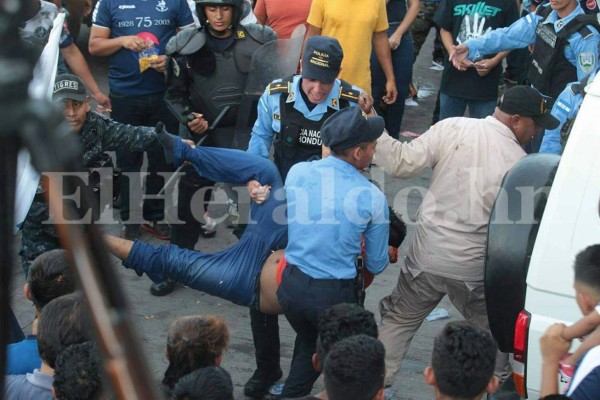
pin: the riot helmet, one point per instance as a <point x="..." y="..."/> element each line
<point x="236" y="6"/>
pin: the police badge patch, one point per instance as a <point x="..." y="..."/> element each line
<point x="586" y="61"/>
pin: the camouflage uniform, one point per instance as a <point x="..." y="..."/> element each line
<point x="99" y="134"/>
<point x="421" y="27"/>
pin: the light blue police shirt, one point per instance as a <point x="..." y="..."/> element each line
<point x="330" y="206"/>
<point x="268" y="123"/>
<point x="566" y="106"/>
<point x="581" y="52"/>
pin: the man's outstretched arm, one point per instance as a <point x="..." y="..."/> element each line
<point x="118" y="247"/>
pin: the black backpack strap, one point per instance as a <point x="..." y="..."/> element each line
<point x="580" y="24"/>
<point x="543" y="12"/>
<point x="588" y="20"/>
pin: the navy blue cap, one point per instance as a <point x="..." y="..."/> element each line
<point x="350" y="127"/>
<point x="322" y="59"/>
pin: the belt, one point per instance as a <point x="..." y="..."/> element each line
<point x="328" y="283"/>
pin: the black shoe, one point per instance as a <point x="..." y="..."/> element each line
<point x="163" y="288"/>
<point x="260" y="382"/>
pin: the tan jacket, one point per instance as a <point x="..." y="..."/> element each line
<point x="469" y="158"/>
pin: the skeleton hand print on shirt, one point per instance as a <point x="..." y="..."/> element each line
<point x="470" y="30"/>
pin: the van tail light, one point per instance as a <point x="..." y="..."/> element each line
<point x="520" y="354"/>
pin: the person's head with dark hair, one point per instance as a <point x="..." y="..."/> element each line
<point x="49" y="277"/>
<point x="77" y="375"/>
<point x="587" y="278"/>
<point x="210" y="383"/>
<point x="64" y="322"/>
<point x="355" y="369"/>
<point x="462" y="362"/>
<point x="339" y="322"/>
<point x="193" y="342"/>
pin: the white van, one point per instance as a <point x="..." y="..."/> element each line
<point x="529" y="267"/>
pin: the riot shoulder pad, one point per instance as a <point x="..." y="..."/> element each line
<point x="261" y="33"/>
<point x="187" y="41"/>
<point x="347" y="92"/>
<point x="280" y="86"/>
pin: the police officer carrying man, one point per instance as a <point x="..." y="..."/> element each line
<point x="290" y="115"/>
<point x="565" y="43"/>
<point x="98" y="134"/>
<point x="206" y="72"/>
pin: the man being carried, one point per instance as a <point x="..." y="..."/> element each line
<point x="219" y="273"/>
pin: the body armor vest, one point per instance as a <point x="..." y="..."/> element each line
<point x="225" y="85"/>
<point x="550" y="71"/>
<point x="299" y="138"/>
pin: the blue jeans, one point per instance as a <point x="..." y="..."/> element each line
<point x="455" y="107"/>
<point x="402" y="59"/>
<point x="233" y="273"/>
<point x="142" y="111"/>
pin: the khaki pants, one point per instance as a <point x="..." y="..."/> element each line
<point x="413" y="298"/>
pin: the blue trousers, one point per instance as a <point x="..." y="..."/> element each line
<point x="402" y="59"/>
<point x="142" y="111"/>
<point x="303" y="300"/>
<point x="233" y="273"/>
<point x="451" y="106"/>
